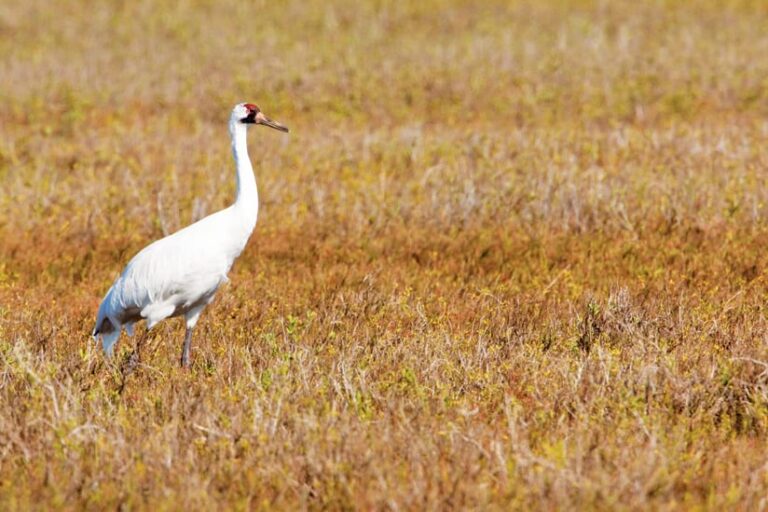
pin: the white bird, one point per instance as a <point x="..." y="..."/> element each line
<point x="179" y="274"/>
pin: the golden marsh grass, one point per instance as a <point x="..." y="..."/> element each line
<point x="512" y="255"/>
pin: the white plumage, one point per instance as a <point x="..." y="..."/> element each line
<point x="179" y="274"/>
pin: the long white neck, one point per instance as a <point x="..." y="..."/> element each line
<point x="247" y="197"/>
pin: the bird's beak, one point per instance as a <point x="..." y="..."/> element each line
<point x="262" y="119"/>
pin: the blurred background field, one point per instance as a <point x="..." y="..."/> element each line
<point x="511" y="255"/>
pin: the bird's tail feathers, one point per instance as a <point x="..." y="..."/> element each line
<point x="103" y="326"/>
<point x="108" y="332"/>
<point x="108" y="341"/>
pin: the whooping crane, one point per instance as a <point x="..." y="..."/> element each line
<point x="179" y="274"/>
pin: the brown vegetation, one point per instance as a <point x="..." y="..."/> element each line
<point x="512" y="254"/>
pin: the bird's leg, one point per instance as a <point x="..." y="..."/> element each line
<point x="187" y="348"/>
<point x="190" y="320"/>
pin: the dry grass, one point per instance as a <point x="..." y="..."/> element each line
<point x="512" y="255"/>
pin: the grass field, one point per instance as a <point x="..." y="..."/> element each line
<point x="512" y="255"/>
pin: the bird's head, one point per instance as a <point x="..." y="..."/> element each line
<point x="248" y="113"/>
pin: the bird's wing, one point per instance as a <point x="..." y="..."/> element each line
<point x="173" y="267"/>
<point x="180" y="270"/>
<point x="174" y="271"/>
